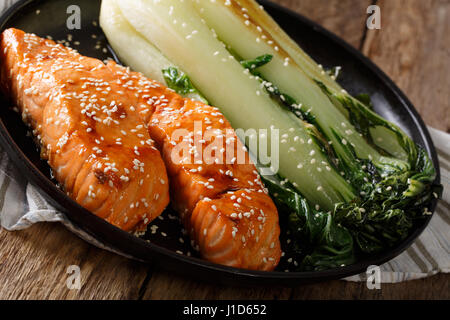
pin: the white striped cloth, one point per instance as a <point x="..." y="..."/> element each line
<point x="21" y="205"/>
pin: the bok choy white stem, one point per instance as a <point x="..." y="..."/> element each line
<point x="135" y="51"/>
<point x="139" y="54"/>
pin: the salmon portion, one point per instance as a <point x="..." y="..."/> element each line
<point x="214" y="185"/>
<point x="83" y="116"/>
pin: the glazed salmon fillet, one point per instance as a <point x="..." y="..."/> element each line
<point x="84" y="119"/>
<point x="219" y="194"/>
<point x="221" y="198"/>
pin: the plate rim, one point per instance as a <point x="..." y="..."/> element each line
<point x="154" y="254"/>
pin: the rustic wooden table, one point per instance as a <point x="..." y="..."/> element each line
<point x="412" y="47"/>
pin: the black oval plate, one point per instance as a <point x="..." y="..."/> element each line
<point x="49" y="17"/>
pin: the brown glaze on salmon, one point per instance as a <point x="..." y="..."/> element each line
<point x="214" y="185"/>
<point x="83" y="115"/>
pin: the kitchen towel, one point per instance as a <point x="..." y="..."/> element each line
<point x="21" y="205"/>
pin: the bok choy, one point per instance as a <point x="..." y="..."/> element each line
<point x="352" y="182"/>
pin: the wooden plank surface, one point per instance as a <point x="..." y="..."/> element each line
<point x="34" y="262"/>
<point x="345" y="18"/>
<point x="412" y="47"/>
